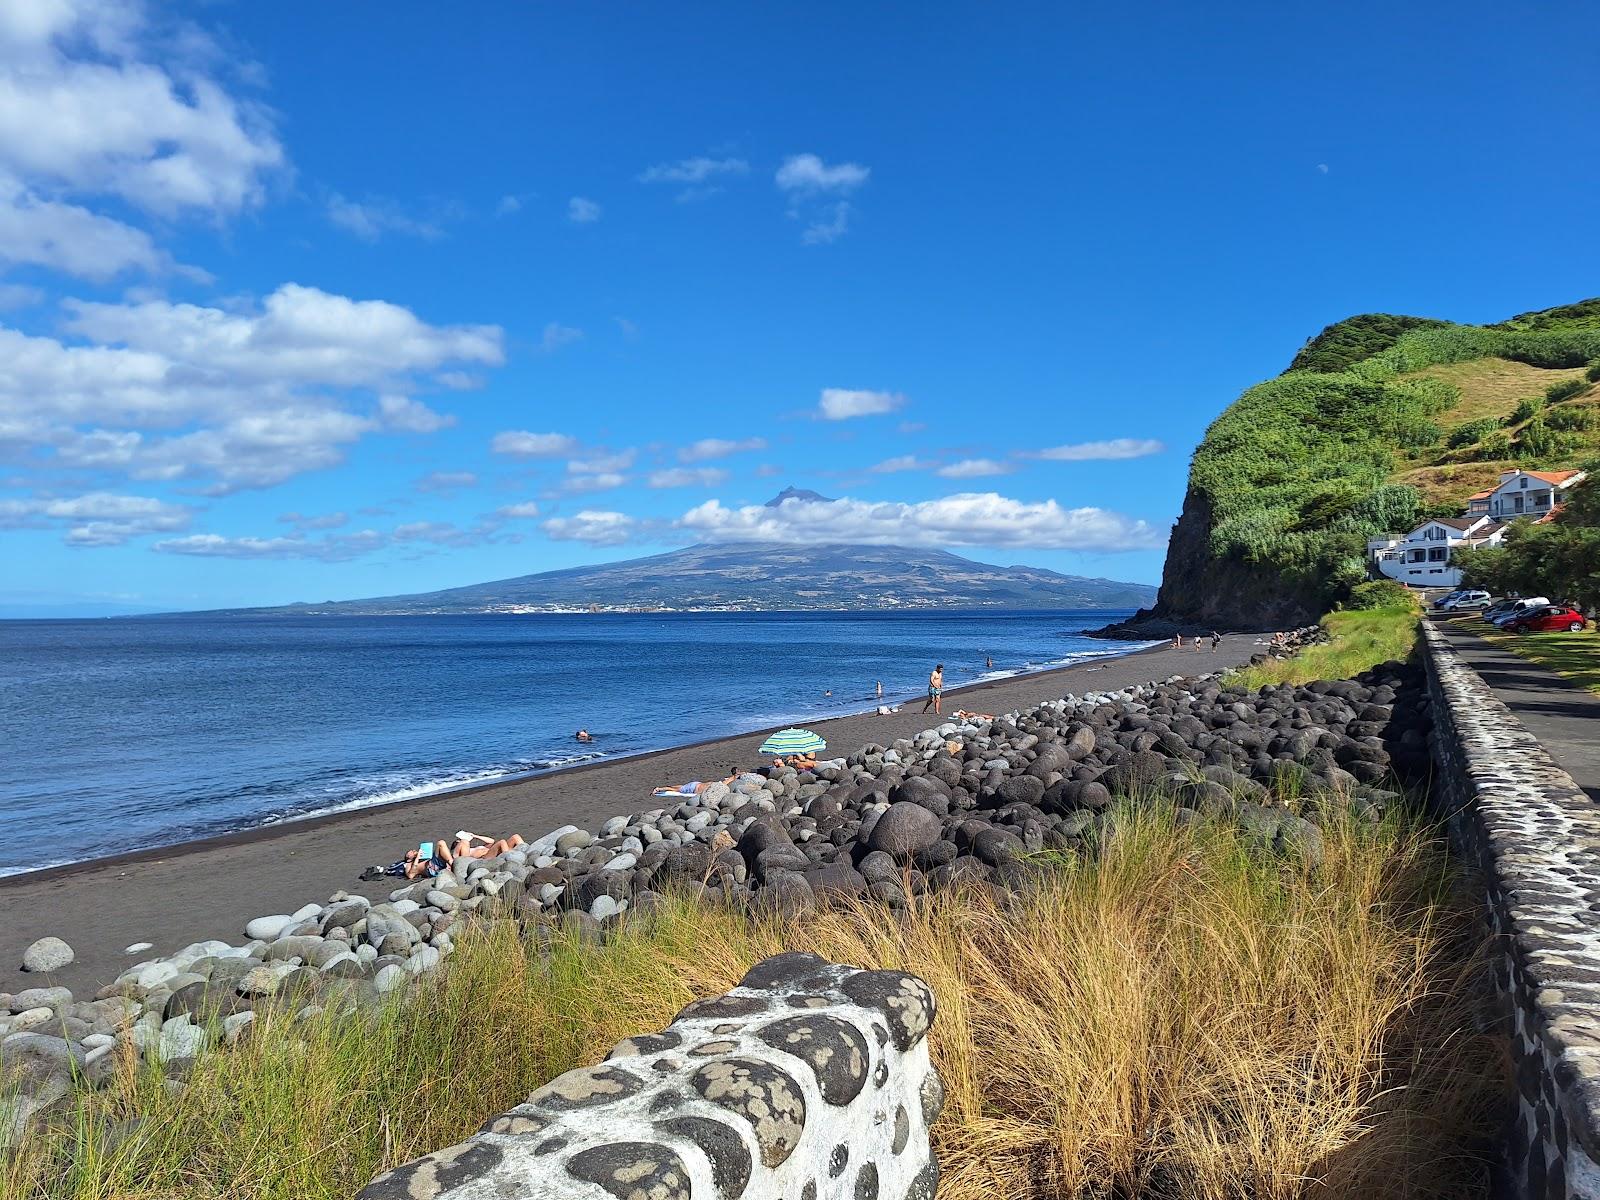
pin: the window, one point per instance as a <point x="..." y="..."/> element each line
<point x="1523" y="482"/>
<point x="1439" y="554"/>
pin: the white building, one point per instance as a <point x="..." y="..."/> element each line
<point x="1422" y="558"/>
<point x="1536" y="494"/>
<point x="1425" y="556"/>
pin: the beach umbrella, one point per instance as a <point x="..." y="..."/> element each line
<point x="792" y="741"/>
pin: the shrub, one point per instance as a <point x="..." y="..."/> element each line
<point x="1497" y="445"/>
<point x="1571" y="420"/>
<point x="1525" y="410"/>
<point x="1469" y="432"/>
<point x="1593" y="373"/>
<point x="1565" y="390"/>
<point x="1539" y="441"/>
<point x="1380" y="594"/>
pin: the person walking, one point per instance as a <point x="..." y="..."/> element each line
<point x="1216" y="640"/>
<point x="935" y="699"/>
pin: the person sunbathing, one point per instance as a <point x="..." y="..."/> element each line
<point x="693" y="788"/>
<point x="962" y="714"/>
<point x="800" y="762"/>
<point x="429" y="858"/>
<point x="476" y="845"/>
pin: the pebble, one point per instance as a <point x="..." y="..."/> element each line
<point x="139" y="948"/>
<point x="267" y="928"/>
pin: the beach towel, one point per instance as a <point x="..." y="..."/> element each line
<point x="691" y="788"/>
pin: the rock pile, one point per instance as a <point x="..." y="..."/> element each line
<point x="966" y="801"/>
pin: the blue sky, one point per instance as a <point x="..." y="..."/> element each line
<point x="323" y="301"/>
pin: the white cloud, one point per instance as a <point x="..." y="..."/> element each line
<point x="597" y="528"/>
<point x="252" y="396"/>
<point x="694" y="170"/>
<point x="903" y="462"/>
<point x="446" y="481"/>
<point x="840" y="404"/>
<point x="1116" y="448"/>
<point x="688" y="477"/>
<point x="69" y="238"/>
<point x="19" y="295"/>
<point x="832" y="225"/>
<point x="519" y="443"/>
<point x="620" y="460"/>
<point x="335" y="548"/>
<point x="86" y="108"/>
<point x="556" y="336"/>
<point x="582" y="211"/>
<point x="371" y="219"/>
<point x="323" y="521"/>
<point x="97" y="518"/>
<point x="1322" y="168"/>
<point x="707" y="448"/>
<point x="605" y="481"/>
<point x="405" y="415"/>
<point x="968" y="519"/>
<point x="974" y="468"/>
<point x="518" y="511"/>
<point x="806" y="173"/>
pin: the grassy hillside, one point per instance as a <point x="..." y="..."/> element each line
<point x="1381" y="421"/>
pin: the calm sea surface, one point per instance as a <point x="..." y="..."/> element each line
<point x="122" y="734"/>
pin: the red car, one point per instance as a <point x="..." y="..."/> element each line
<point x="1548" y="618"/>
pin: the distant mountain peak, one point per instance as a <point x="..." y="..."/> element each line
<point x="794" y="493"/>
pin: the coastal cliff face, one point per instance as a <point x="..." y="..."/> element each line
<point x="1380" y="421"/>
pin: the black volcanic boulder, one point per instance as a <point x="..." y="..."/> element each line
<point x="906" y="828"/>
<point x="932" y="794"/>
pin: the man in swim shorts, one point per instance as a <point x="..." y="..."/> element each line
<point x="935" y="691"/>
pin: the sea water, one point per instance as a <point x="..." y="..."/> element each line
<point x="123" y="734"/>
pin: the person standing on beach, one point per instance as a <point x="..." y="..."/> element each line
<point x="1216" y="640"/>
<point x="1177" y="641"/>
<point x="880" y="689"/>
<point x="935" y="691"/>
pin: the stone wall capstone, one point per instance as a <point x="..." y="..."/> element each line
<point x="1535" y="836"/>
<point x="808" y="1081"/>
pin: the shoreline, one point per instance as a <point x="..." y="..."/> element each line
<point x="251" y="833"/>
<point x="174" y="895"/>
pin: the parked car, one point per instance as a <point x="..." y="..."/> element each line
<point x="1520" y="607"/>
<point x="1547" y="618"/>
<point x="1510" y="606"/>
<point x="1467" y="601"/>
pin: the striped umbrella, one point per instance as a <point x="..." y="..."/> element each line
<point x="792" y="741"/>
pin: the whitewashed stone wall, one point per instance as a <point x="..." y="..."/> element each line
<point x="808" y="1081"/>
<point x="1536" y="836"/>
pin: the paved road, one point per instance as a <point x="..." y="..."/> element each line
<point x="1564" y="717"/>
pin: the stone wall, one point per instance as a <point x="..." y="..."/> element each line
<point x="808" y="1081"/>
<point x="1536" y="837"/>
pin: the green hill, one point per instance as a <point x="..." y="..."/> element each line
<point x="1379" y="421"/>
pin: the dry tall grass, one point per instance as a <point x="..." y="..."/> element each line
<point x="1179" y="1015"/>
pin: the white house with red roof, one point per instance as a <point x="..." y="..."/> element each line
<point x="1424" y="557"/>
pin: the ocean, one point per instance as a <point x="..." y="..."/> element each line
<point x="124" y="734"/>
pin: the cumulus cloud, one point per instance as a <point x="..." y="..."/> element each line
<point x="1116" y="448"/>
<point x="840" y="404"/>
<point x="688" y="477"/>
<point x="973" y="468"/>
<point x="241" y="397"/>
<point x="707" y="448"/>
<point x="97" y="518"/>
<point x="581" y="211"/>
<point x="68" y="237"/>
<point x="518" y="511"/>
<point x="806" y="173"/>
<point x="519" y="443"/>
<point x="446" y="481"/>
<point x="556" y="336"/>
<point x="967" y="519"/>
<point x="369" y="220"/>
<point x="596" y="527"/>
<point x="603" y="481"/>
<point x="405" y="415"/>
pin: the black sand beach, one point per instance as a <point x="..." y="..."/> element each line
<point x="181" y="894"/>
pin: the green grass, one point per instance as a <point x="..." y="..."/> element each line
<point x="1360" y="641"/>
<point x="1574" y="656"/>
<point x="1179" y="1014"/>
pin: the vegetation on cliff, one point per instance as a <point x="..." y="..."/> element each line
<point x="1381" y="421"/>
